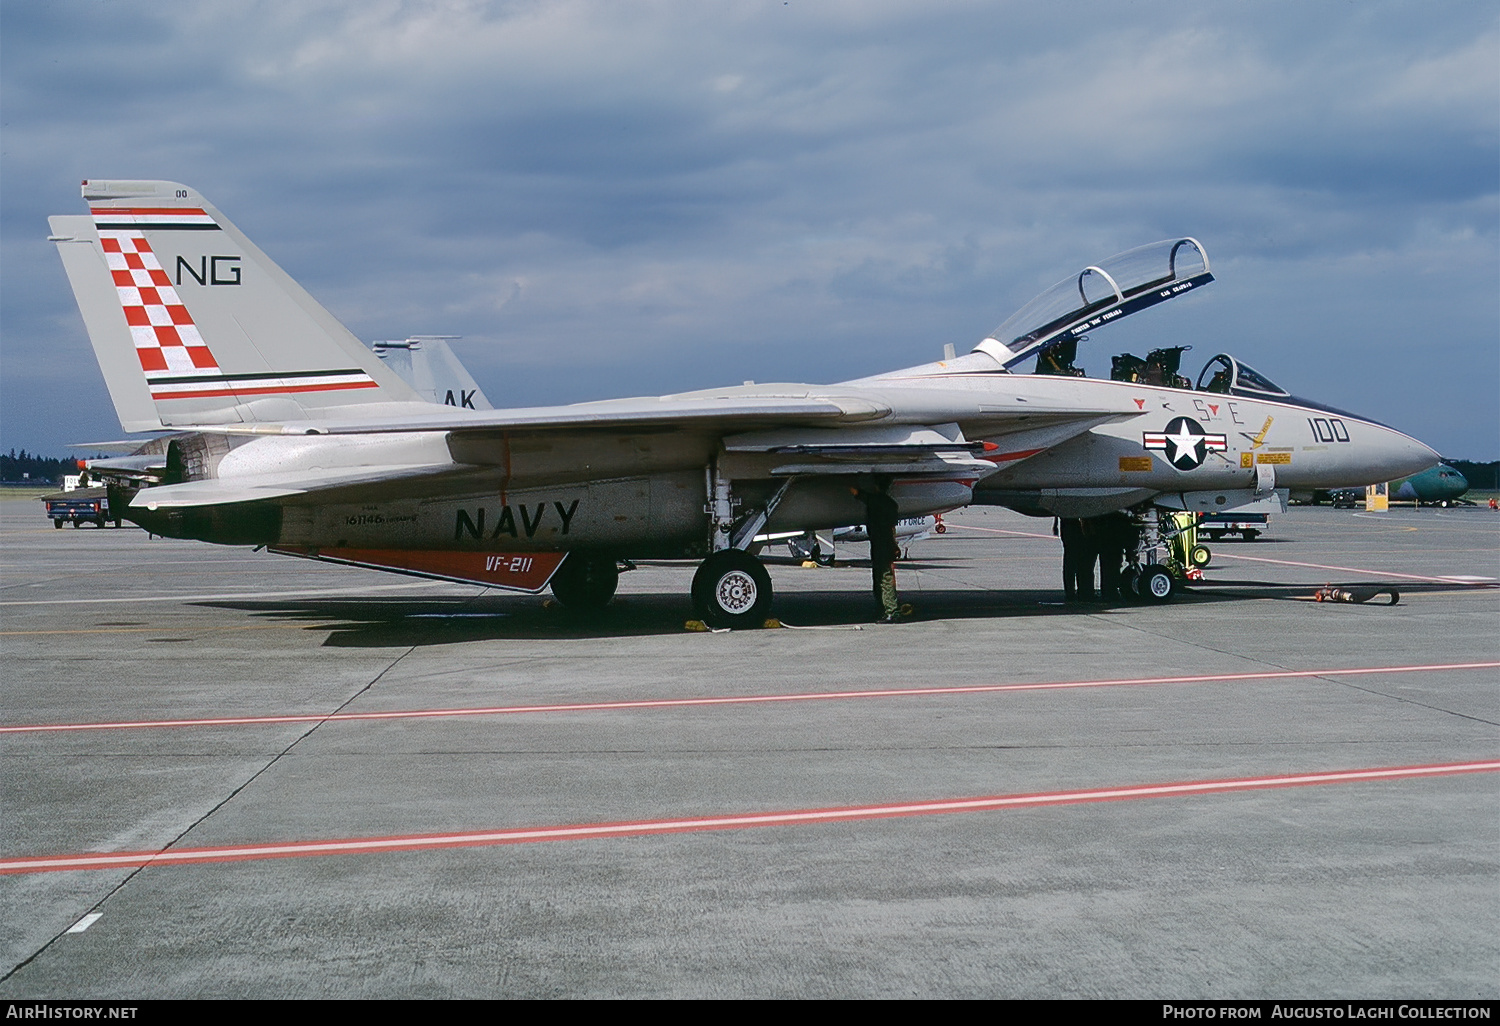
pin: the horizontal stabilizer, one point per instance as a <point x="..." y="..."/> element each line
<point x="139" y="467"/>
<point x="124" y="445"/>
<point x="256" y="487"/>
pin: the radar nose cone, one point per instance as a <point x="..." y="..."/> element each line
<point x="1402" y="455"/>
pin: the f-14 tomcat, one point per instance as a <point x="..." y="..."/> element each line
<point x="287" y="432"/>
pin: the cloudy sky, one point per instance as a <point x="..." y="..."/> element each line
<point x="610" y="198"/>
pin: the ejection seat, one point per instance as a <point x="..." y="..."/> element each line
<point x="1057" y="358"/>
<point x="1127" y="367"/>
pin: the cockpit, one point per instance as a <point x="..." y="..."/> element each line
<point x="1229" y="376"/>
<point x="1050" y="327"/>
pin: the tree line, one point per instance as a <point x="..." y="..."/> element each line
<point x="25" y="466"/>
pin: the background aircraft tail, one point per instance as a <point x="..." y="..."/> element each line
<point x="195" y="326"/>
<point x="428" y="364"/>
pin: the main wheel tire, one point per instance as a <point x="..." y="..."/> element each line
<point x="585" y="583"/>
<point x="1214" y="535"/>
<point x="732" y="589"/>
<point x="1250" y="535"/>
<point x="1156" y="583"/>
<point x="57" y="523"/>
<point x="1199" y="555"/>
<point x="1130" y="579"/>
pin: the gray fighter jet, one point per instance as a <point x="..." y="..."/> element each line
<point x="288" y="433"/>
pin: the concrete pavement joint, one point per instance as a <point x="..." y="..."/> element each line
<point x="99" y="905"/>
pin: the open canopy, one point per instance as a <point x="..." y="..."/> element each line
<point x="1098" y="294"/>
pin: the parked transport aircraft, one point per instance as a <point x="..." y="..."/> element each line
<point x="287" y="432"/>
<point x="1438" y="486"/>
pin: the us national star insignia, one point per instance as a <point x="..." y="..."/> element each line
<point x="1185" y="443"/>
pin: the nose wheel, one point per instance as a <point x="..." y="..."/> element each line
<point x="1155" y="583"/>
<point x="732" y="589"/>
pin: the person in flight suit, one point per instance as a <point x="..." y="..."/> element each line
<point x="881" y="514"/>
<point x="1115" y="535"/>
<point x="1078" y="561"/>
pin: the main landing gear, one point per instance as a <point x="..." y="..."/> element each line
<point x="586" y="583"/>
<point x="732" y="589"/>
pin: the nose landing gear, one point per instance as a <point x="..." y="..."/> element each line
<point x="1165" y="553"/>
<point x="1156" y="583"/>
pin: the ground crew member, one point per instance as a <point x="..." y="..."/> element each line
<point x="881" y="514"/>
<point x="1115" y="535"/>
<point x="1078" y="561"/>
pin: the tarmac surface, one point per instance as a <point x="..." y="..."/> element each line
<point x="785" y="811"/>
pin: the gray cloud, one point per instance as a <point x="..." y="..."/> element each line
<point x="618" y="199"/>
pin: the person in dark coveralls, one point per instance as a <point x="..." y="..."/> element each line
<point x="1078" y="561"/>
<point x="881" y="514"/>
<point x="1115" y="534"/>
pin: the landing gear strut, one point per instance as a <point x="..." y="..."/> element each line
<point x="731" y="587"/>
<point x="1165" y="552"/>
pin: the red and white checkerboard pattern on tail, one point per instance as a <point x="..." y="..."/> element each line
<point x="176" y="359"/>
<point x="166" y="339"/>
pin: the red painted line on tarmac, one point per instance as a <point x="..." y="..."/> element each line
<point x="996" y="530"/>
<point x="671" y="703"/>
<point x="1355" y="570"/>
<point x="638" y="828"/>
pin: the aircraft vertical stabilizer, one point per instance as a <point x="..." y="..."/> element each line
<point x="194" y="325"/>
<point x="428" y="364"/>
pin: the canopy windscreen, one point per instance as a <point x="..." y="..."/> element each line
<point x="1103" y="292"/>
